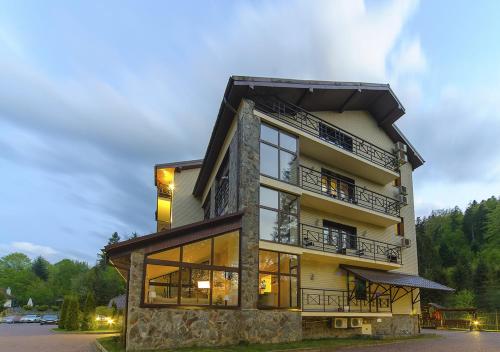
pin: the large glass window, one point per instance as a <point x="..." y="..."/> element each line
<point x="278" y="154"/>
<point x="278" y="280"/>
<point x="278" y="220"/>
<point x="202" y="273"/>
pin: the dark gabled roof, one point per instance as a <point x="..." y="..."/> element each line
<point x="176" y="236"/>
<point x="378" y="99"/>
<point x="395" y="279"/>
<point x="183" y="165"/>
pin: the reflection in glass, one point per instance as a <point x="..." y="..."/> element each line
<point x="269" y="197"/>
<point x="268" y="261"/>
<point x="268" y="134"/>
<point x="268" y="290"/>
<point x="226" y="250"/>
<point x="195" y="286"/>
<point x="288" y="142"/>
<point x="197" y="252"/>
<point x="288" y="167"/>
<point x="225" y="290"/>
<point x="268" y="225"/>
<point x="268" y="160"/>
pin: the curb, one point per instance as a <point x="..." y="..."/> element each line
<point x="98" y="347"/>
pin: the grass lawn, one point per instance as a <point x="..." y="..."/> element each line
<point x="101" y="331"/>
<point x="111" y="344"/>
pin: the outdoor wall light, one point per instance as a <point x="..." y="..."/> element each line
<point x="171" y="187"/>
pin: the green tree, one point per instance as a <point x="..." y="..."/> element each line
<point x="115" y="238"/>
<point x="72" y="322"/>
<point x="463" y="299"/>
<point x="88" y="312"/>
<point x="40" y="268"/>
<point x="64" y="312"/>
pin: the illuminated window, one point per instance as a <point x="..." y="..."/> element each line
<point x="278" y="280"/>
<point x="201" y="273"/>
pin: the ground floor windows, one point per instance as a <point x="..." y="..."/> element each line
<point x="278" y="280"/>
<point x="201" y="273"/>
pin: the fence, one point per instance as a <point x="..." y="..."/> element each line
<point x="487" y="320"/>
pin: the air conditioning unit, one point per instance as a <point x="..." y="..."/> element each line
<point x="400" y="146"/>
<point x="405" y="242"/>
<point x="402" y="199"/>
<point x="402" y="157"/>
<point x="403" y="190"/>
<point x="355" y="322"/>
<point x="340" y="323"/>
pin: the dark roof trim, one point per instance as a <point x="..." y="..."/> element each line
<point x="395" y="279"/>
<point x="183" y="165"/>
<point x="176" y="236"/>
<point x="378" y="99"/>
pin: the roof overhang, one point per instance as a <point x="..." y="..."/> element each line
<point x="395" y="279"/>
<point x="378" y="99"/>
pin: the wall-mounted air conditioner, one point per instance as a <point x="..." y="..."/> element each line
<point x="403" y="190"/>
<point x="402" y="199"/>
<point x="355" y="322"/>
<point x="402" y="157"/>
<point x="340" y="323"/>
<point x="401" y="146"/>
<point x="405" y="242"/>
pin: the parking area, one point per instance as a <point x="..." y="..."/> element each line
<point x="40" y="338"/>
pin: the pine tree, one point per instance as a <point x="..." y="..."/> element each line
<point x="72" y="322"/>
<point x="40" y="268"/>
<point x="64" y="312"/>
<point x="88" y="312"/>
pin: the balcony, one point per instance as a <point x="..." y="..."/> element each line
<point x="339" y="242"/>
<point x="332" y="144"/>
<point x="326" y="300"/>
<point x="331" y="194"/>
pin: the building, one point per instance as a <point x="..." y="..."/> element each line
<point x="298" y="223"/>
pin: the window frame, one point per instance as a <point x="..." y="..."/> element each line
<point x="279" y="148"/>
<point x="278" y="274"/>
<point x="281" y="213"/>
<point x="181" y="265"/>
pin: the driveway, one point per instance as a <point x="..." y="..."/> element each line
<point x="40" y="338"/>
<point x="452" y="341"/>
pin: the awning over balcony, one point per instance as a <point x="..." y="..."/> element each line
<point x="396" y="279"/>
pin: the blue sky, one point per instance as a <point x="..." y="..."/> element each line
<point x="93" y="94"/>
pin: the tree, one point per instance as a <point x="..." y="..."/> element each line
<point x="3" y="298"/>
<point x="64" y="312"/>
<point x="72" y="322"/>
<point x="463" y="299"/>
<point x="88" y="312"/>
<point x="115" y="238"/>
<point x="15" y="261"/>
<point x="40" y="268"/>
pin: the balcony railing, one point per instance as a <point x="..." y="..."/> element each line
<point x="313" y="125"/>
<point x="340" y="242"/>
<point x="222" y="197"/>
<point x="328" y="185"/>
<point x="324" y="300"/>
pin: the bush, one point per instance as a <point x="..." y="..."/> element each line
<point x="27" y="307"/>
<point x="42" y="308"/>
<point x="104" y="310"/>
<point x="54" y="308"/>
<point x="88" y="313"/>
<point x="72" y="322"/>
<point x="64" y="312"/>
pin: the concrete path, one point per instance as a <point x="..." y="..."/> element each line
<point x="40" y="338"/>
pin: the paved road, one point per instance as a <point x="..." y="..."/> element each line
<point x="452" y="341"/>
<point x="40" y="338"/>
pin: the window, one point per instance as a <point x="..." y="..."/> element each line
<point x="335" y="136"/>
<point x="278" y="280"/>
<point x="360" y="289"/>
<point x="400" y="228"/>
<point x="222" y="183"/>
<point x="202" y="273"/>
<point x="337" y="186"/>
<point x="278" y="154"/>
<point x="278" y="217"/>
<point x="341" y="236"/>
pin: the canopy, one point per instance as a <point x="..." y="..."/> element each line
<point x="396" y="279"/>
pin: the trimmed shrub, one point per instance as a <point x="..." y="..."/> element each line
<point x="72" y="322"/>
<point x="27" y="307"/>
<point x="42" y="308"/>
<point x="54" y="308"/>
<point x="88" y="313"/>
<point x="64" y="312"/>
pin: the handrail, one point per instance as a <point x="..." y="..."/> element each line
<point x="337" y="241"/>
<point x="320" y="182"/>
<point x="307" y="122"/>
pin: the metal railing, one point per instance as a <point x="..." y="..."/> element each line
<point x="222" y="197"/>
<point x="326" y="184"/>
<point x="337" y="241"/>
<point x="315" y="126"/>
<point x="326" y="300"/>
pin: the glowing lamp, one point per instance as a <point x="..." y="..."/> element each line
<point x="203" y="284"/>
<point x="110" y="321"/>
<point x="476" y="322"/>
<point x="171" y="187"/>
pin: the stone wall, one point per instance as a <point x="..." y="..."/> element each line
<point x="397" y="325"/>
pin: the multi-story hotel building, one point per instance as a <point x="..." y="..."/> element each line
<point x="298" y="223"/>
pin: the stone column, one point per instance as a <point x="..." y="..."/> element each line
<point x="248" y="185"/>
<point x="134" y="300"/>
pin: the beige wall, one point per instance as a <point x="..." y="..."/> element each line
<point x="186" y="209"/>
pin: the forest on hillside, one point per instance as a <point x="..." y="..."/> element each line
<point x="462" y="250"/>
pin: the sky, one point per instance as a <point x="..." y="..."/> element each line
<point x="94" y="93"/>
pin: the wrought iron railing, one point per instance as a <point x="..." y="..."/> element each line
<point x="315" y="126"/>
<point x="338" y="241"/>
<point x="326" y="300"/>
<point x="326" y="184"/>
